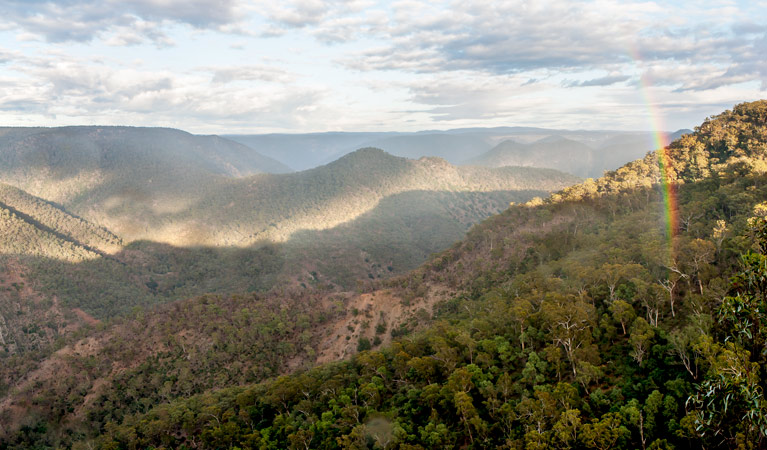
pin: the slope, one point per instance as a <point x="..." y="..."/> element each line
<point x="272" y="207"/>
<point x="568" y="323"/>
<point x="170" y="187"/>
<point x="21" y="234"/>
<point x="31" y="229"/>
<point x="102" y="172"/>
<point x="368" y="216"/>
<point x="55" y="220"/>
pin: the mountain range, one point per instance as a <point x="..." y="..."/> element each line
<point x="569" y="155"/>
<point x="605" y="150"/>
<point x="580" y="319"/>
<point x="100" y="221"/>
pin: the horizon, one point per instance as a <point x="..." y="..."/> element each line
<point x="310" y="66"/>
<point x="459" y="130"/>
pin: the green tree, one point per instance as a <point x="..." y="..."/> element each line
<point x="640" y="339"/>
<point x="622" y="312"/>
<point x="730" y="401"/>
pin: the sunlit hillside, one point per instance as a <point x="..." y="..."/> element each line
<point x="171" y="187"/>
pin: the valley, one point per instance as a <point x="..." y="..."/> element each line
<point x="114" y="342"/>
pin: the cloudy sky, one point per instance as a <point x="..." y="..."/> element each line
<point x="251" y="66"/>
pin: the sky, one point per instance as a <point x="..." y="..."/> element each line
<point x="251" y="66"/>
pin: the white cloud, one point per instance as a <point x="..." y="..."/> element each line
<point x="124" y="22"/>
<point x="94" y="92"/>
<point x="249" y="73"/>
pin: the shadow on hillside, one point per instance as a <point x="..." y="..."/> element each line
<point x="396" y="236"/>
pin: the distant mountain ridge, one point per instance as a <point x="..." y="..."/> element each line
<point x="568" y="155"/>
<point x="169" y="186"/>
<point x="104" y="147"/>
<point x="457" y="146"/>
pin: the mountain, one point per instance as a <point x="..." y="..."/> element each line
<point x="362" y="218"/>
<point x="602" y="317"/>
<point x="93" y="148"/>
<point x="170" y="187"/>
<point x="78" y="167"/>
<point x="552" y="152"/>
<point x="367" y="216"/>
<point x="307" y="151"/>
<point x="451" y="147"/>
<point x="274" y="207"/>
<point x="572" y="154"/>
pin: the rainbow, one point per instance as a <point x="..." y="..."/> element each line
<point x="668" y="193"/>
<point x="661" y="141"/>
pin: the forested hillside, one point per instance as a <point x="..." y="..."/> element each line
<point x="123" y="178"/>
<point x="603" y="317"/>
<point x="365" y="217"/>
<point x="164" y="185"/>
<point x="50" y="218"/>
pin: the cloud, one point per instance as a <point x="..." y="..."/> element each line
<point x="296" y="13"/>
<point x="132" y="21"/>
<point x="601" y="81"/>
<point x="351" y="63"/>
<point x="329" y="21"/>
<point x="95" y="92"/>
<point x="470" y="96"/>
<point x="504" y="37"/>
<point x="249" y="73"/>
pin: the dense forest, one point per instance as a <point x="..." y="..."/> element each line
<point x="622" y="312"/>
